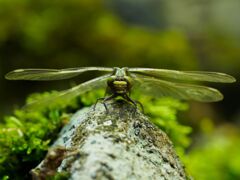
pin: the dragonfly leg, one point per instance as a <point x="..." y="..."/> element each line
<point x="132" y="101"/>
<point x="107" y="91"/>
<point x="99" y="99"/>
<point x="135" y="103"/>
<point x="105" y="106"/>
<point x="125" y="96"/>
<point x="104" y="101"/>
<point x="140" y="104"/>
<point x="107" y="99"/>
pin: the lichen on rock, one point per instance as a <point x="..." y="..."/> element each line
<point x="121" y="144"/>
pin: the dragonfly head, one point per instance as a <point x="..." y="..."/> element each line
<point x="119" y="73"/>
<point x="119" y="82"/>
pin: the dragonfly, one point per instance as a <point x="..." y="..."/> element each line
<point x="122" y="81"/>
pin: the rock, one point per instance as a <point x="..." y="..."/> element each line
<point x="122" y="144"/>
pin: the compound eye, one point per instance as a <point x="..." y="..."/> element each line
<point x="114" y="70"/>
<point x="126" y="70"/>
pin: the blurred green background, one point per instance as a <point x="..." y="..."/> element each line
<point x="182" y="35"/>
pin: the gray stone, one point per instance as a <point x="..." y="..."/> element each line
<point x="119" y="145"/>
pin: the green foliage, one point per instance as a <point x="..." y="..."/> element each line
<point x="216" y="155"/>
<point x="60" y="176"/>
<point x="26" y="135"/>
<point x="79" y="32"/>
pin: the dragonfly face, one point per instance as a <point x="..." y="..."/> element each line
<point x="120" y="81"/>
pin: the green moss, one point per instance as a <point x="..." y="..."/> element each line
<point x="26" y="136"/>
<point x="60" y="176"/>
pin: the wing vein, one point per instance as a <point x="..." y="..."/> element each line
<point x="160" y="88"/>
<point x="185" y="75"/>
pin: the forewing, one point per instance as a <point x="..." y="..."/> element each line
<point x="185" y="75"/>
<point x="50" y="74"/>
<point x="160" y="88"/>
<point x="67" y="95"/>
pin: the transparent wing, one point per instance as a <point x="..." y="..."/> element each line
<point x="67" y="95"/>
<point x="160" y="88"/>
<point x="185" y="75"/>
<point x="50" y="74"/>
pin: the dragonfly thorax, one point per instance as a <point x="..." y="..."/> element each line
<point x="119" y="85"/>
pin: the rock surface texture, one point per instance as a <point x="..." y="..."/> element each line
<point x="119" y="145"/>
